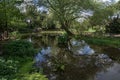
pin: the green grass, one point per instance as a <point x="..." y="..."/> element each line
<point x="103" y="41"/>
<point x="90" y="30"/>
<point x="52" y="32"/>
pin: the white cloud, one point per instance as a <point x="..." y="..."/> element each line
<point x="109" y="0"/>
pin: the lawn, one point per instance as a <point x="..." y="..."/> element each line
<point x="103" y="41"/>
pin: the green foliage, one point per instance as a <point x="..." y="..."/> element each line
<point x="63" y="38"/>
<point x="7" y="69"/>
<point x="29" y="72"/>
<point x="114" y="26"/>
<point x="26" y="67"/>
<point x="15" y="35"/>
<point x="67" y="11"/>
<point x="35" y="76"/>
<point x="18" y="48"/>
<point x="17" y="26"/>
<point x="100" y="16"/>
<point x="14" y="70"/>
<point x="25" y="30"/>
<point x="9" y="15"/>
<point x="58" y="65"/>
<point x="36" y="18"/>
<point x="50" y="24"/>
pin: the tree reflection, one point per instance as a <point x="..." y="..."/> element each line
<point x="63" y="64"/>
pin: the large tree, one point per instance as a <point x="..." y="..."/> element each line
<point x="67" y="11"/>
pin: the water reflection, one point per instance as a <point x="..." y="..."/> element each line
<point x="112" y="73"/>
<point x="42" y="56"/>
<point x="86" y="50"/>
<point x="113" y="53"/>
<point x="77" y="61"/>
<point x="81" y="48"/>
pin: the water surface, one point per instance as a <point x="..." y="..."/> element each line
<point x="76" y="60"/>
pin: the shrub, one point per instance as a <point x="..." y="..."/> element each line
<point x="7" y="68"/>
<point x="18" y="48"/>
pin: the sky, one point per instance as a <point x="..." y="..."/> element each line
<point x="109" y="0"/>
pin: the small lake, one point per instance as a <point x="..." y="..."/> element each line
<point x="76" y="60"/>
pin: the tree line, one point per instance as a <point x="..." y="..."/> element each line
<point x="68" y="15"/>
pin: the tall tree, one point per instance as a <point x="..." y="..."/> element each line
<point x="66" y="11"/>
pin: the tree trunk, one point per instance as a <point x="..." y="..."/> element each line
<point x="67" y="30"/>
<point x="65" y="26"/>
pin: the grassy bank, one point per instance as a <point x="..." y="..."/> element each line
<point x="103" y="41"/>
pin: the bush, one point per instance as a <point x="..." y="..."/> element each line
<point x="10" y="70"/>
<point x="18" y="48"/>
<point x="7" y="69"/>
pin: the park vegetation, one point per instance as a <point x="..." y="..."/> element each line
<point x="95" y="22"/>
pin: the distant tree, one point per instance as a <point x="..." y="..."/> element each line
<point x="36" y="17"/>
<point x="103" y="16"/>
<point x="114" y="26"/>
<point x="9" y="13"/>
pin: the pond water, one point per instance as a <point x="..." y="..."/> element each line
<point x="76" y="60"/>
